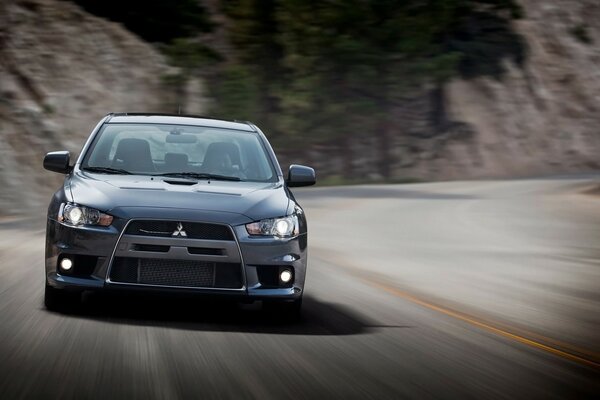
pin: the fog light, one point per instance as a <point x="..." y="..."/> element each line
<point x="285" y="276"/>
<point x="66" y="264"/>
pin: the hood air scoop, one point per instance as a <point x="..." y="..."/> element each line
<point x="175" y="182"/>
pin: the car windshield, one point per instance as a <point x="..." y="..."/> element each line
<point x="180" y="151"/>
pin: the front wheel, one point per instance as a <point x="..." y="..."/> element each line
<point x="60" y="300"/>
<point x="289" y="310"/>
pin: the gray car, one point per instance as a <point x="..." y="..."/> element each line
<point x="178" y="204"/>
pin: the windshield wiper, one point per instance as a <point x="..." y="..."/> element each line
<point x="199" y="175"/>
<point x="108" y="170"/>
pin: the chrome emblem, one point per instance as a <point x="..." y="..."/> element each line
<point x="179" y="231"/>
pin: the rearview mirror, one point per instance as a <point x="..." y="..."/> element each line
<point x="58" y="161"/>
<point x="181" y="138"/>
<point x="299" y="175"/>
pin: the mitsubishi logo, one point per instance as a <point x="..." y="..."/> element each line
<point x="179" y="231"/>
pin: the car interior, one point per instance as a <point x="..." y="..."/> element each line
<point x="156" y="150"/>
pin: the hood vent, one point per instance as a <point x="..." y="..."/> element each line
<point x="185" y="183"/>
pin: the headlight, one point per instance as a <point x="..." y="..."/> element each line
<point x="76" y="215"/>
<point x="281" y="227"/>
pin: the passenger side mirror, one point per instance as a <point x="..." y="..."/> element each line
<point x="58" y="161"/>
<point x="299" y="175"/>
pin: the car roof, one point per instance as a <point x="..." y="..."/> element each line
<point x="179" y="120"/>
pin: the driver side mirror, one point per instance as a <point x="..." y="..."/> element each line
<point x="299" y="175"/>
<point x="58" y="161"/>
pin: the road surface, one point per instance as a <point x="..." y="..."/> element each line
<point x="443" y="290"/>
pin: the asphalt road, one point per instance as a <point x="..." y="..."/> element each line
<point x="447" y="290"/>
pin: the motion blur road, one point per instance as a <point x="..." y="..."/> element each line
<point x="444" y="290"/>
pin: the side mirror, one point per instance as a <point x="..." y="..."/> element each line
<point x="299" y="175"/>
<point x="58" y="161"/>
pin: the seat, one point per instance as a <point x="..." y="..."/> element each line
<point x="133" y="155"/>
<point x="176" y="162"/>
<point x="222" y="158"/>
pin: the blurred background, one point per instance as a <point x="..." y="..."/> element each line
<point x="481" y="286"/>
<point x="364" y="91"/>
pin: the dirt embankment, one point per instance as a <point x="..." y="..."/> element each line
<point x="61" y="70"/>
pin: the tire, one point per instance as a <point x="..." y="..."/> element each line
<point x="60" y="300"/>
<point x="294" y="307"/>
<point x="286" y="310"/>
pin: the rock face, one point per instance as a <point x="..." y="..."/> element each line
<point x="61" y="70"/>
<point x="543" y="117"/>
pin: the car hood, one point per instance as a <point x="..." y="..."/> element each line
<point x="255" y="200"/>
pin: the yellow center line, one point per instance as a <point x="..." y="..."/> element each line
<point x="568" y="351"/>
<point x="486" y="326"/>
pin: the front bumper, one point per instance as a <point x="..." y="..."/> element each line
<point x="95" y="249"/>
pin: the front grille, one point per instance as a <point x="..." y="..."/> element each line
<point x="151" y="247"/>
<point x="176" y="273"/>
<point x="205" y="251"/>
<point x="187" y="273"/>
<point x="193" y="230"/>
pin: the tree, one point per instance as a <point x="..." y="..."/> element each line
<point x="326" y="71"/>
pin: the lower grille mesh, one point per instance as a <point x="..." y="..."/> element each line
<point x="186" y="273"/>
<point x="178" y="273"/>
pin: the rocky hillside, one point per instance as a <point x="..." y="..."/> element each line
<point x="61" y="70"/>
<point x="541" y="117"/>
